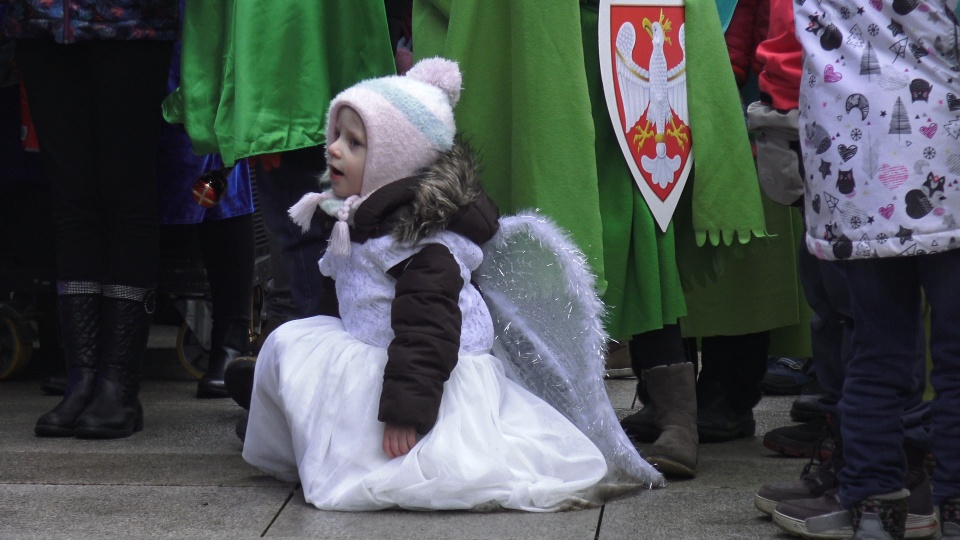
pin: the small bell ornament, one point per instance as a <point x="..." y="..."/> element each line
<point x="208" y="190"/>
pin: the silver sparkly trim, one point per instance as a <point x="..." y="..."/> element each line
<point x="125" y="292"/>
<point x="78" y="287"/>
<point x="136" y="294"/>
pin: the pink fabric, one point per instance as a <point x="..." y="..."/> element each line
<point x="396" y="146"/>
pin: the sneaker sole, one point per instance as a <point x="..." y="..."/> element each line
<point x="918" y="526"/>
<point x="799" y="528"/>
<point x="765" y="505"/>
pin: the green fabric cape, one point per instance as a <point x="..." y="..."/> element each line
<point x="257" y="76"/>
<point x="533" y="105"/>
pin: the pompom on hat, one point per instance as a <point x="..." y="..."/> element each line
<point x="408" y="121"/>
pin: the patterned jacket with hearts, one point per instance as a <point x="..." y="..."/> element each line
<point x="880" y="126"/>
<point x="70" y="21"/>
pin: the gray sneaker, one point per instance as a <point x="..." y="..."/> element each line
<point x="813" y="483"/>
<point x="824" y="517"/>
<point x="950" y="519"/>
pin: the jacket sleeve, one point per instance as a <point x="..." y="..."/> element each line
<point x="426" y="321"/>
<point x="742" y="36"/>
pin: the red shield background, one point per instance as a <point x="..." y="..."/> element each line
<point x="641" y="55"/>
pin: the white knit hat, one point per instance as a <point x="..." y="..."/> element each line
<point x="408" y="121"/>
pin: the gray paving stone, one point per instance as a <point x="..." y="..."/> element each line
<point x="137" y="512"/>
<point x="299" y="519"/>
<point x="134" y="469"/>
<point x="184" y="477"/>
<point x="174" y="421"/>
<point x="701" y="514"/>
<point x="621" y="392"/>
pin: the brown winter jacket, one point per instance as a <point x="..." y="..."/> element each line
<point x="425" y="314"/>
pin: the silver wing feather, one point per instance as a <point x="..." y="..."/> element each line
<point x="550" y="337"/>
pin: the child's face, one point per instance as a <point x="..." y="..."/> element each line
<point x="347" y="151"/>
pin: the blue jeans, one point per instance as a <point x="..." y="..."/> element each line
<point x="280" y="187"/>
<point x="830" y="326"/>
<point x="831" y="336"/>
<point x="881" y="381"/>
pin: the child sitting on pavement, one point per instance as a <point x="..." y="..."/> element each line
<point x="400" y="403"/>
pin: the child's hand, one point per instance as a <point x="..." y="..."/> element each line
<point x="398" y="440"/>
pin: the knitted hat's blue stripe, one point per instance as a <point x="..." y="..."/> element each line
<point x="416" y="112"/>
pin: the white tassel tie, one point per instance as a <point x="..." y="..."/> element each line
<point x="302" y="214"/>
<point x="340" y="238"/>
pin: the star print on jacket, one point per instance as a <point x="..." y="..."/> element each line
<point x="880" y="126"/>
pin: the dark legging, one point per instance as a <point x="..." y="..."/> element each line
<point x="228" y="255"/>
<point x="96" y="109"/>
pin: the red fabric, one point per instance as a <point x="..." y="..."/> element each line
<point x="779" y="55"/>
<point x="747" y="28"/>
<point x="28" y="135"/>
<point x="269" y="161"/>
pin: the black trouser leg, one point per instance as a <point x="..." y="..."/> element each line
<point x="96" y="108"/>
<point x="733" y="368"/>
<point x="228" y="255"/>
<point x="660" y="347"/>
<point x="729" y="385"/>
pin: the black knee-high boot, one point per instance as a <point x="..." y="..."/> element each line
<point x="79" y="306"/>
<point x="228" y="255"/>
<point x="125" y="318"/>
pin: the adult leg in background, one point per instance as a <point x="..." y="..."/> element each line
<point x="281" y="186"/>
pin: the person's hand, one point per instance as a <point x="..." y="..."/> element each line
<point x="398" y="440"/>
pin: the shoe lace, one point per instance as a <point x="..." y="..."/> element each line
<point x="826" y="469"/>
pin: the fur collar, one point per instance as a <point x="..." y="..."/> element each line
<point x="443" y="196"/>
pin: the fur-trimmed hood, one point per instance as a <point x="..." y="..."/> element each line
<point x="444" y="196"/>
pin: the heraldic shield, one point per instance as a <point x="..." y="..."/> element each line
<point x="643" y="66"/>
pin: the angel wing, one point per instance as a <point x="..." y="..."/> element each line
<point x="550" y="338"/>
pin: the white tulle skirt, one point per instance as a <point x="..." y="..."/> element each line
<point x="313" y="419"/>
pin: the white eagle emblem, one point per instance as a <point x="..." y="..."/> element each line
<point x="648" y="104"/>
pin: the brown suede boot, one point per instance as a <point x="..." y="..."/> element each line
<point x="673" y="390"/>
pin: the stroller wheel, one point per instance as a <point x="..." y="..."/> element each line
<point x="193" y="355"/>
<point x="14" y="349"/>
